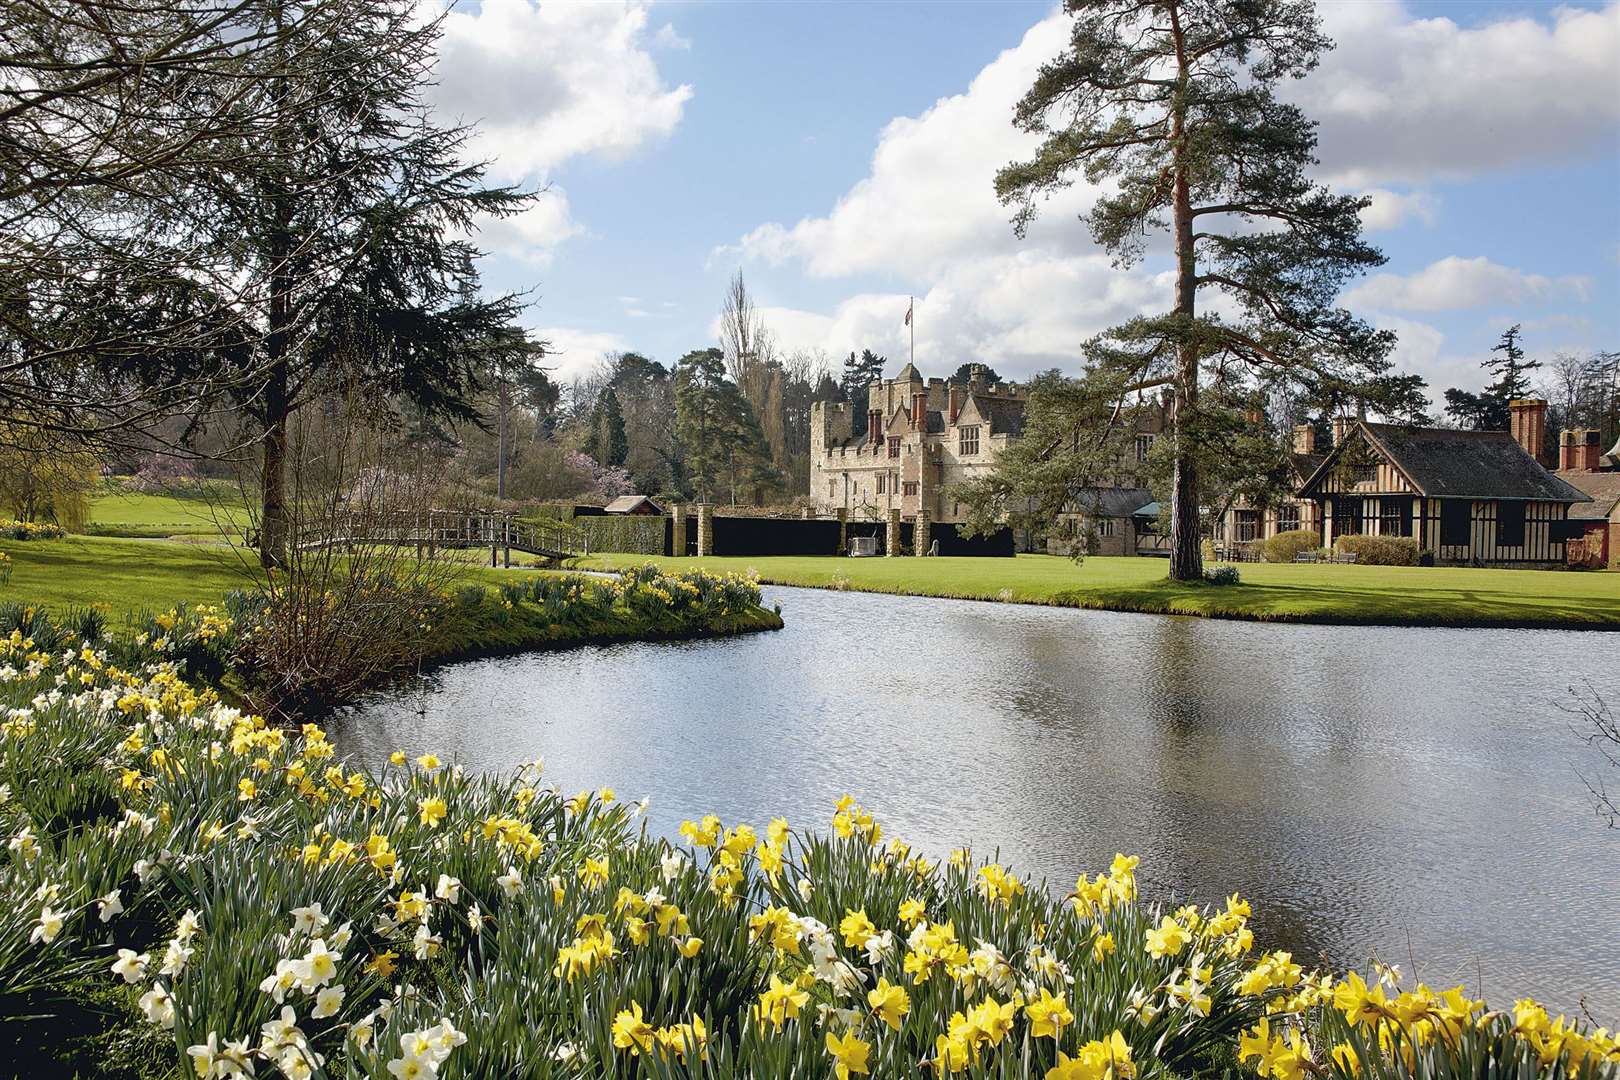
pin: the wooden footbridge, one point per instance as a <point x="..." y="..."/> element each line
<point x="430" y="530"/>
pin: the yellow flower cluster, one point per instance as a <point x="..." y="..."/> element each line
<point x="773" y="948"/>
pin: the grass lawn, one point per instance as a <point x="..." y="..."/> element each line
<point x="117" y="512"/>
<point x="1395" y="595"/>
<point x="121" y="576"/>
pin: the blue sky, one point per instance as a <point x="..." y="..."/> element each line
<point x="840" y="154"/>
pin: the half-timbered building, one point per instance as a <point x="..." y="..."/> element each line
<point x="1465" y="496"/>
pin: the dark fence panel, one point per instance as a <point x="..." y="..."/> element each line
<point x="771" y="536"/>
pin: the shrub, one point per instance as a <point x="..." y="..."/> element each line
<point x="1285" y="545"/>
<point x="1381" y="550"/>
<point x="1223" y="575"/>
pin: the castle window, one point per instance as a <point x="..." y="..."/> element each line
<point x="894" y="446"/>
<point x="882" y="479"/>
<point x="910" y="487"/>
<point x="1144" y="446"/>
<point x="832" y="488"/>
<point x="968" y="441"/>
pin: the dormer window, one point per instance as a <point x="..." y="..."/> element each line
<point x="894" y="446"/>
<point x="968" y="441"/>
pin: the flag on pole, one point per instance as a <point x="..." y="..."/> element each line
<point x="908" y="312"/>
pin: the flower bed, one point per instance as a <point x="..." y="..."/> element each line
<point x="30" y="530"/>
<point x="249" y="902"/>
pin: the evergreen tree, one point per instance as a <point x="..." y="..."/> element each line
<point x="721" y="438"/>
<point x="1510" y="367"/>
<point x="861" y="372"/>
<point x="1488" y="410"/>
<point x="1173" y="103"/>
<point x="346" y="208"/>
<point x="608" y="443"/>
<point x="965" y="372"/>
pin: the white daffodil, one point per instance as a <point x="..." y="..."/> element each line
<point x="131" y="965"/>
<point x="328" y="1000"/>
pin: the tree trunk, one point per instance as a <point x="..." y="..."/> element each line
<point x="1186" y="538"/>
<point x="273" y="473"/>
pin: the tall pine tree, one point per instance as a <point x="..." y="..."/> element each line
<point x="1171" y="106"/>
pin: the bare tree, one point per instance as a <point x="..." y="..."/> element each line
<point x="1596" y="726"/>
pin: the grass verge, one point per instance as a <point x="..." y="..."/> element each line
<point x="124" y="579"/>
<point x="1357" y="595"/>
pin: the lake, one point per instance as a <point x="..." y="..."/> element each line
<point x="1409" y="794"/>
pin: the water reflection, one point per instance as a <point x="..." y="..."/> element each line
<point x="1408" y="793"/>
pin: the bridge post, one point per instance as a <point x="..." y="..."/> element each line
<point x="920" y="533"/>
<point x="705" y="527"/>
<point x="892" y="533"/>
<point x="506" y="541"/>
<point x="677" y="529"/>
<point x="843" y="531"/>
<point x="433" y="535"/>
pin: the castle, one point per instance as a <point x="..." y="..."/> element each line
<point x="921" y="439"/>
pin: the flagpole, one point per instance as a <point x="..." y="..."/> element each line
<point x="911" y="307"/>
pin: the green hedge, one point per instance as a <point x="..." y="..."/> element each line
<point x="1285" y="545"/>
<point x="1381" y="550"/>
<point x="624" y="533"/>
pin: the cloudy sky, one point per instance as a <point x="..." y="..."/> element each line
<point x="841" y="154"/>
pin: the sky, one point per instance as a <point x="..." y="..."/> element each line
<point x="841" y="155"/>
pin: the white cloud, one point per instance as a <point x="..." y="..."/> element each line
<point x="549" y="82"/>
<point x="928" y="197"/>
<point x="1021" y="313"/>
<point x="1454" y="284"/>
<point x="1392" y="209"/>
<point x="533" y="235"/>
<point x="573" y="351"/>
<point x="670" y="38"/>
<point x="1402" y="99"/>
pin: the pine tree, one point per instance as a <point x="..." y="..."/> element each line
<point x="1171" y="106"/>
<point x="861" y="372"/>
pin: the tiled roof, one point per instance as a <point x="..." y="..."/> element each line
<point x="1602" y="487"/>
<point x="1005" y="415"/>
<point x="1444" y="463"/>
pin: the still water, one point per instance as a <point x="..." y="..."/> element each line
<point x="1408" y="794"/>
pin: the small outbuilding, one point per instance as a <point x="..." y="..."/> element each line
<point x="1465" y="496"/>
<point x="633" y="504"/>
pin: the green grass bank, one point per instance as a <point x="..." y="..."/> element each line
<point x="490" y="611"/>
<point x="1307" y="593"/>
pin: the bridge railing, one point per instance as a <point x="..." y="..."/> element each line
<point x="433" y="529"/>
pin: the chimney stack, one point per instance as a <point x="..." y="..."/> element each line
<point x="1579" y="450"/>
<point x="1528" y="423"/>
<point x="1341" y="428"/>
<point x="1304" y="439"/>
<point x="956" y="397"/>
<point x="919" y="411"/>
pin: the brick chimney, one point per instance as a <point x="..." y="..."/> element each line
<point x="1528" y="423"/>
<point x="1579" y="450"/>
<point x="874" y="425"/>
<point x="919" y="411"/>
<point x="1341" y="428"/>
<point x="1304" y="439"/>
<point x="957" y="396"/>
